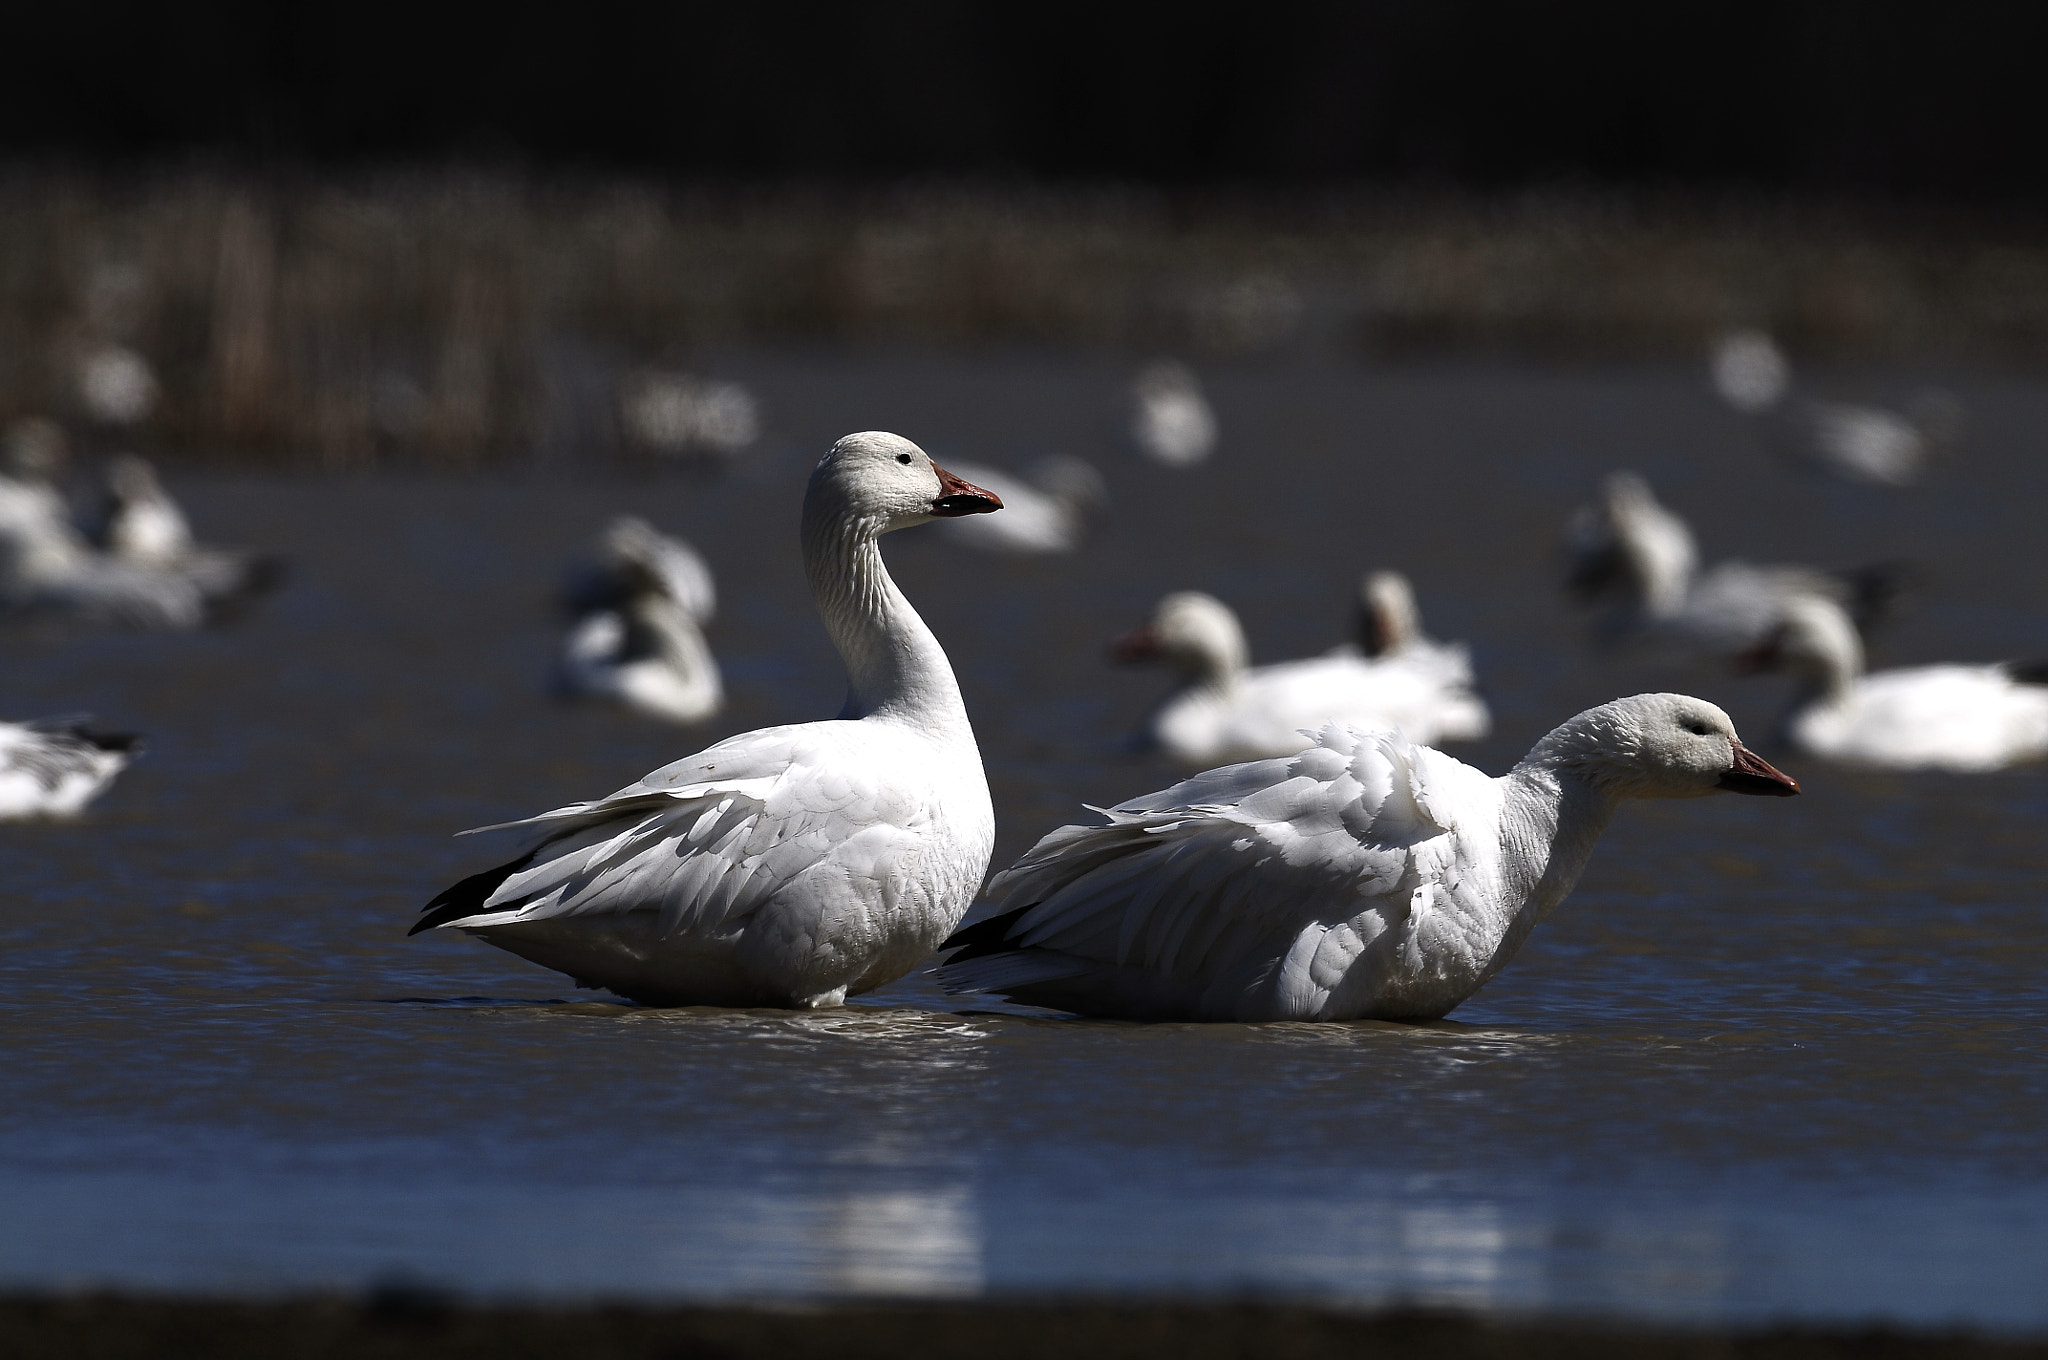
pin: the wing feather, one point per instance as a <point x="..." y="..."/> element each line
<point x="1255" y="889"/>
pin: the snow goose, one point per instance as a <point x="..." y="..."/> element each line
<point x="53" y="767"/>
<point x="1171" y="421"/>
<point x="1226" y="709"/>
<point x="1046" y="514"/>
<point x="1639" y="557"/>
<point x="1870" y="444"/>
<point x="1389" y="631"/>
<point x="790" y="866"/>
<point x="1846" y="440"/>
<point x="1365" y="877"/>
<point x="637" y="633"/>
<point x="1953" y="717"/>
<point x="141" y="525"/>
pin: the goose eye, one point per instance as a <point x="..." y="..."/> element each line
<point x="903" y="458"/>
<point x="1698" y="729"/>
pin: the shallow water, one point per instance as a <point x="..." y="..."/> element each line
<point x="1775" y="1058"/>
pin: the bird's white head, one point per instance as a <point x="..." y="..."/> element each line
<point x="1194" y="633"/>
<point x="1814" y="640"/>
<point x="1388" y="619"/>
<point x="1660" y="746"/>
<point x="886" y="482"/>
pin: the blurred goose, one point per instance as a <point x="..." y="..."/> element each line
<point x="1389" y="631"/>
<point x="1750" y="371"/>
<point x="1366" y="876"/>
<point x="1227" y="709"/>
<point x="142" y="526"/>
<point x="1640" y="557"/>
<point x="1859" y="443"/>
<point x="1171" y="421"/>
<point x="790" y="866"/>
<point x="1047" y="514"/>
<point x="1848" y="440"/>
<point x="1953" y="717"/>
<point x="638" y="637"/>
<point x="48" y="568"/>
<point x="53" y="767"/>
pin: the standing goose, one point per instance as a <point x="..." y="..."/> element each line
<point x="53" y="767"/>
<point x="1953" y="717"/>
<point x="1226" y="709"/>
<point x="1366" y="877"/>
<point x="791" y="866"/>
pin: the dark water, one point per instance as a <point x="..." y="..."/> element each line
<point x="1775" y="1058"/>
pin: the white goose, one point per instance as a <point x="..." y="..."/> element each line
<point x="1953" y="717"/>
<point x="1639" y="557"/>
<point x="791" y="866"/>
<point x="142" y="526"/>
<point x="53" y="767"/>
<point x="1047" y="514"/>
<point x="1389" y="631"/>
<point x="1228" y="710"/>
<point x="1171" y="421"/>
<point x="638" y="633"/>
<point x="1364" y="877"/>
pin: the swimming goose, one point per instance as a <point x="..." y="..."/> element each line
<point x="1047" y="514"/>
<point x="791" y="866"/>
<point x="1640" y="557"/>
<point x="631" y="553"/>
<point x="142" y="526"/>
<point x="53" y="767"/>
<point x="1389" y="631"/>
<point x="1861" y="443"/>
<point x="637" y="636"/>
<point x="1953" y="717"/>
<point x="1228" y="710"/>
<point x="1365" y="877"/>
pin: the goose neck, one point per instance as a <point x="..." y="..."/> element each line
<point x="894" y="666"/>
<point x="1552" y="817"/>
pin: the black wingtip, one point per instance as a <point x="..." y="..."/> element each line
<point x="466" y="898"/>
<point x="2033" y="672"/>
<point x="80" y="727"/>
<point x="990" y="936"/>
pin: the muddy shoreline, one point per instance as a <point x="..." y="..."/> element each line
<point x="405" y="1323"/>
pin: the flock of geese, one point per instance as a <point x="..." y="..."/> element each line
<point x="1326" y="863"/>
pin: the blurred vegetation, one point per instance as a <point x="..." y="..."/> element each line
<point x="452" y="318"/>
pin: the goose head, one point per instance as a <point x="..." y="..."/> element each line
<point x="884" y="482"/>
<point x="1660" y="746"/>
<point x="1631" y="539"/>
<point x="1815" y="640"/>
<point x="132" y="481"/>
<point x="1387" y="617"/>
<point x="1194" y="633"/>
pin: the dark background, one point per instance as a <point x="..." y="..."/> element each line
<point x="1910" y="102"/>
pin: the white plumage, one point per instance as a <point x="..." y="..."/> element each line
<point x="791" y="866"/>
<point x="1226" y="709"/>
<point x="53" y="767"/>
<point x="1952" y="717"/>
<point x="637" y="631"/>
<point x="1047" y="514"/>
<point x="1366" y="876"/>
<point x="1171" y="421"/>
<point x="1639" y="559"/>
